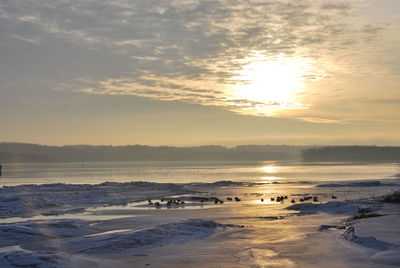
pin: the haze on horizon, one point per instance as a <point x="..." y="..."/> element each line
<point x="192" y="72"/>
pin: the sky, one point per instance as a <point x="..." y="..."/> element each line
<point x="193" y="72"/>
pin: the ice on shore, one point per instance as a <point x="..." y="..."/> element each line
<point x="259" y="257"/>
<point x="58" y="199"/>
<point x="222" y="184"/>
<point x="372" y="228"/>
<point x="149" y="235"/>
<point x="170" y="233"/>
<point x="41" y="242"/>
<point x="380" y="234"/>
<point x="32" y="231"/>
<point x="371" y="242"/>
<point x="388" y="257"/>
<point x="332" y="207"/>
<point x="28" y="259"/>
<point x="358" y="184"/>
<point x="55" y="199"/>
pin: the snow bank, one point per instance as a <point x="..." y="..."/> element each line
<point x="371" y="242"/>
<point x="170" y="233"/>
<point x="28" y="259"/>
<point x="54" y="199"/>
<point x="31" y="231"/>
<point x="379" y="234"/>
<point x="388" y="257"/>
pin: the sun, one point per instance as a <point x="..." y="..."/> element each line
<point x="272" y="84"/>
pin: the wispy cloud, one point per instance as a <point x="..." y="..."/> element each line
<point x="193" y="51"/>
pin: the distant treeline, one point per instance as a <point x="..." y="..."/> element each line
<point x="23" y="158"/>
<point x="34" y="153"/>
<point x="23" y="153"/>
<point x="352" y="154"/>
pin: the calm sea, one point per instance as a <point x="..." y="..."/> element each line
<point x="182" y="172"/>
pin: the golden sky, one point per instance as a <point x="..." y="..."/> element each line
<point x="190" y="72"/>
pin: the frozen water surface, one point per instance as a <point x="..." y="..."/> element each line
<point x="113" y="224"/>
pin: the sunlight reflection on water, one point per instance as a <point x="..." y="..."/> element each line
<point x="185" y="172"/>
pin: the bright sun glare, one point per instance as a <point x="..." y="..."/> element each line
<point x="272" y="83"/>
<point x="270" y="169"/>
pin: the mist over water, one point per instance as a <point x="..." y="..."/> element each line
<point x="186" y="172"/>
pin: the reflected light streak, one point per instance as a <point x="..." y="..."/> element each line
<point x="270" y="169"/>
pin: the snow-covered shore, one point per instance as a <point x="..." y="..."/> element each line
<point x="113" y="225"/>
<point x="371" y="226"/>
<point x="31" y="200"/>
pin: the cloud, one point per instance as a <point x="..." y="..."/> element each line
<point x="187" y="50"/>
<point x="321" y="120"/>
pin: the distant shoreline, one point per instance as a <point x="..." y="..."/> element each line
<point x="34" y="153"/>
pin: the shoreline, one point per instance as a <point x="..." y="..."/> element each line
<point x="249" y="232"/>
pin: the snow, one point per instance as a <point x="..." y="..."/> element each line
<point x="175" y="232"/>
<point x="371" y="242"/>
<point x="249" y="233"/>
<point x="387" y="257"/>
<point x="56" y="199"/>
<point x="38" y="230"/>
<point x="28" y="259"/>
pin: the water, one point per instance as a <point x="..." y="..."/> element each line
<point x="183" y="172"/>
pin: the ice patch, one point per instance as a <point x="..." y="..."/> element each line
<point x="358" y="184"/>
<point x="333" y="207"/>
<point x="259" y="257"/>
<point x="222" y="184"/>
<point x="62" y="212"/>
